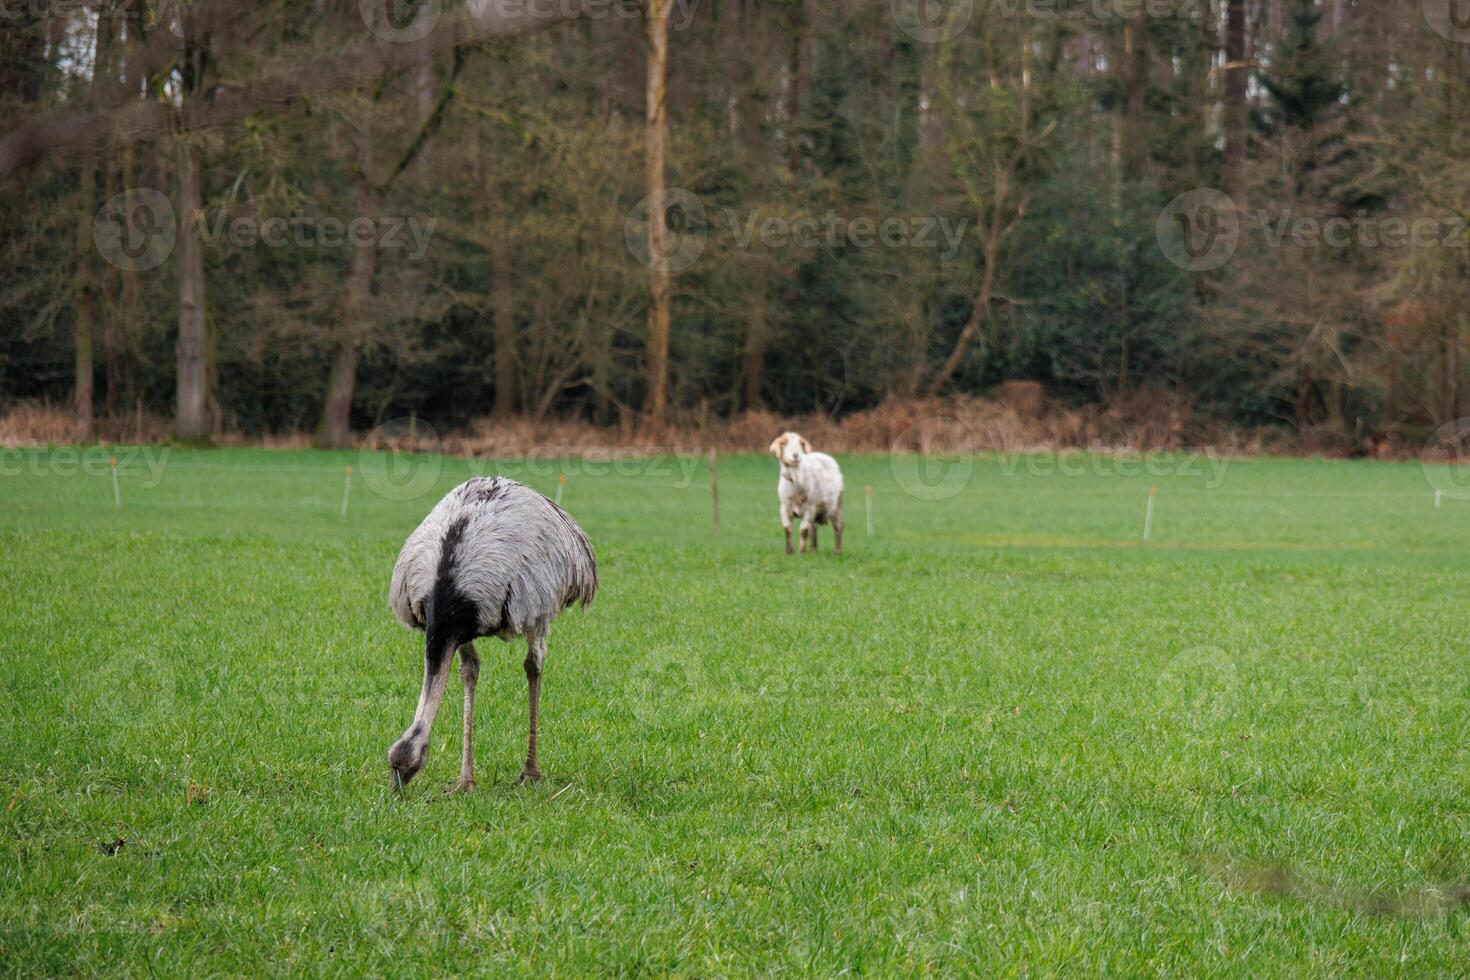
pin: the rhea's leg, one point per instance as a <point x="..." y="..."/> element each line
<point x="406" y="757"/>
<point x="535" y="657"/>
<point x="469" y="672"/>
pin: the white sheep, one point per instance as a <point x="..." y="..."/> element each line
<point x="810" y="488"/>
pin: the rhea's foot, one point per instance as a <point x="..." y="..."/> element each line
<point x="528" y="775"/>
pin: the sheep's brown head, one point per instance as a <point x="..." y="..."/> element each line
<point x="789" y="447"/>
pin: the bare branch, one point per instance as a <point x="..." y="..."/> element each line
<point x="357" y="66"/>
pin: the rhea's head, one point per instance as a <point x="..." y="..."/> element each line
<point x="789" y="447"/>
<point x="406" y="757"/>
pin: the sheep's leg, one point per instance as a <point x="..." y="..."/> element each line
<point x="808" y="534"/>
<point x="469" y="672"/>
<point x="786" y="525"/>
<point x="837" y="530"/>
<point x="535" y="657"/>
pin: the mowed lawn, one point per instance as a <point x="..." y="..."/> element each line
<point x="1001" y="735"/>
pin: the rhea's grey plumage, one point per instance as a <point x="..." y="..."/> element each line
<point x="493" y="558"/>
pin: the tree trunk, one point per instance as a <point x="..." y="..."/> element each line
<point x="755" y="154"/>
<point x="127" y="313"/>
<point x="1236" y="75"/>
<point x="85" y="313"/>
<point x="503" y="303"/>
<point x="972" y="326"/>
<point x="1135" y="66"/>
<point x="1450" y="359"/>
<point x="753" y="361"/>
<point x="660" y="283"/>
<point x="336" y="428"/>
<point x="112" y="342"/>
<point x="796" y="98"/>
<point x="1202" y="87"/>
<point x="88" y="279"/>
<point x="190" y="420"/>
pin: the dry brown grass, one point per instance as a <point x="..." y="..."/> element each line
<point x="44" y="424"/>
<point x="959" y="424"/>
<point x="1019" y="418"/>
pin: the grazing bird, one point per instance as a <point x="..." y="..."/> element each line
<point x="810" y="488"/>
<point x="493" y="558"/>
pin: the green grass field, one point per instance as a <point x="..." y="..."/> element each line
<point x="1001" y="736"/>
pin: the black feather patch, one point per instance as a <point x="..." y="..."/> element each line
<point x="505" y="609"/>
<point x="452" y="617"/>
<point x="482" y="491"/>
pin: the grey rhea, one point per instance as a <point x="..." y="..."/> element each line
<point x="493" y="558"/>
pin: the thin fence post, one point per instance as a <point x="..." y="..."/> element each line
<point x="868" y="494"/>
<point x="346" y="489"/>
<point x="1148" y="514"/>
<point x="116" y="490"/>
<point x="714" y="489"/>
<point x="561" y="482"/>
